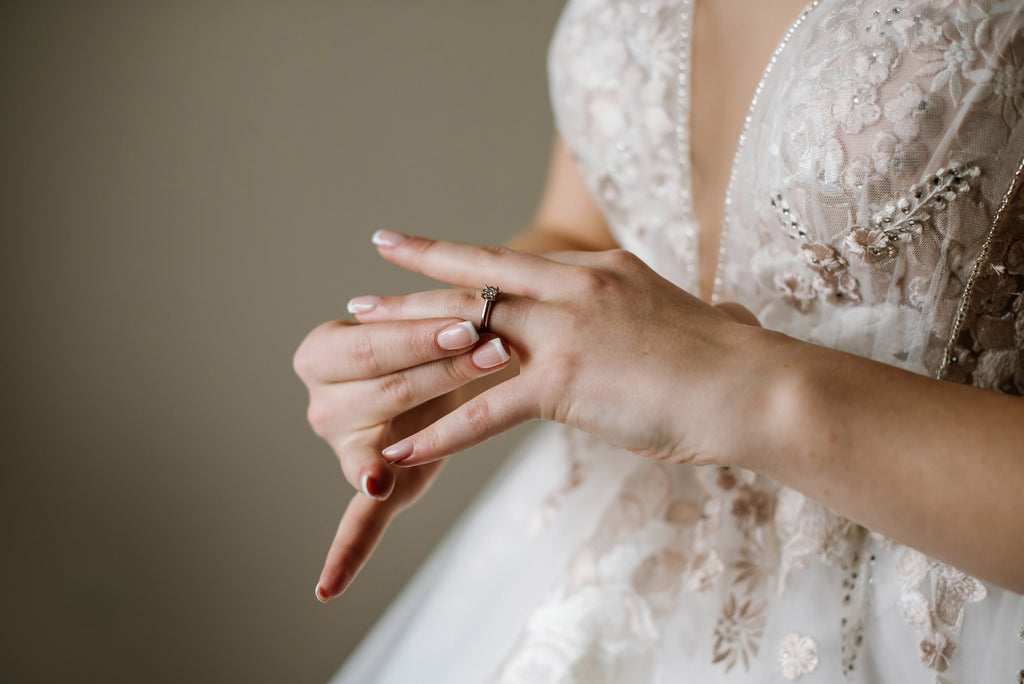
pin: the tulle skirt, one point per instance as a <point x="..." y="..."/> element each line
<point x="582" y="563"/>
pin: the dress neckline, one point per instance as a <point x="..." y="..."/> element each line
<point x="683" y="136"/>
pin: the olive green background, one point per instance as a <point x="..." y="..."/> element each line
<point x="188" y="188"/>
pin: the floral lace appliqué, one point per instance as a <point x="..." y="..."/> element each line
<point x="798" y="656"/>
<point x="951" y="590"/>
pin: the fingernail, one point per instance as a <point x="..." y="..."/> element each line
<point x="457" y="336"/>
<point x="373" y="488"/>
<point x="320" y="596"/>
<point x="399" y="451"/>
<point x="388" y="238"/>
<point x="490" y="354"/>
<point x="358" y="305"/>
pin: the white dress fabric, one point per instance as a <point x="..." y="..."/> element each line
<point x="876" y="207"/>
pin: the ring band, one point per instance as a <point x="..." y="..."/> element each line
<point x="489" y="295"/>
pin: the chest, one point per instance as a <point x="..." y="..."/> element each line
<point x="732" y="42"/>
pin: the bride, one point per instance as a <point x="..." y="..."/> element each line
<point x="772" y="306"/>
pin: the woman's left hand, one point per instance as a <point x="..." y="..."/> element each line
<point x="604" y="344"/>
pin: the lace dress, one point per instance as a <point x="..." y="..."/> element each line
<point x="876" y="207"/>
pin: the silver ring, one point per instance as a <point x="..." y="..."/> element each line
<point x="489" y="295"/>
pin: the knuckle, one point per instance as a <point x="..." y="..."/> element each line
<point x="303" y="362"/>
<point x="593" y="282"/>
<point x="478" y="415"/>
<point x="621" y="259"/>
<point x="397" y="389"/>
<point x="364" y="356"/>
<point x="465" y="303"/>
<point x="320" y="418"/>
<point x="487" y="254"/>
<point x="495" y="250"/>
<point x="460" y="369"/>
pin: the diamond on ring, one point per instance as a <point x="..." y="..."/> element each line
<point x="489" y="295"/>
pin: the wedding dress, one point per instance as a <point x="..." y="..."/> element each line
<point x="875" y="206"/>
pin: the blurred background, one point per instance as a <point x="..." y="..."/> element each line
<point x="188" y="188"/>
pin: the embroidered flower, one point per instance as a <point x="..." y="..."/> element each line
<point x="901" y="160"/>
<point x="752" y="507"/>
<point x="972" y="8"/>
<point x="738" y="632"/>
<point x="918" y="31"/>
<point x="858" y="174"/>
<point x="995" y="369"/>
<point x="752" y="566"/>
<point x="950" y="64"/>
<point x="952" y="589"/>
<point x="916" y="612"/>
<point x="1003" y="86"/>
<point x="706" y="568"/>
<point x="870" y="244"/>
<point x="798" y="656"/>
<point x="822" y="257"/>
<point x="915" y="113"/>
<point x="1014" y="259"/>
<point x="796" y="290"/>
<point x="855" y="106"/>
<point x="994" y="292"/>
<point x="832" y="280"/>
<point x="874" y="63"/>
<point x="936" y="651"/>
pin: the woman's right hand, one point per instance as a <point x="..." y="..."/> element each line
<point x="369" y="386"/>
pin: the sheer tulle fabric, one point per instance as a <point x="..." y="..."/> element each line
<point x="875" y="207"/>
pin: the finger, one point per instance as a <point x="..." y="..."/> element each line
<point x="473" y="266"/>
<point x="496" y="410"/>
<point x="340" y="350"/>
<point x="509" y="313"/>
<point x="360" y="530"/>
<point x="362" y="465"/>
<point x="380" y="399"/>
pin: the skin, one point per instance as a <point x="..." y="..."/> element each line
<point x="935" y="465"/>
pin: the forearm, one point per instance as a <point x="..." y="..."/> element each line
<point x="932" y="464"/>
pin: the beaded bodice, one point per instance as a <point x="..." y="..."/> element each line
<point x="870" y="206"/>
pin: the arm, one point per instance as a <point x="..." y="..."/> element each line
<point x="932" y="464"/>
<point x="566" y="219"/>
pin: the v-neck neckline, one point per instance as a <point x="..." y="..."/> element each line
<point x="684" y="135"/>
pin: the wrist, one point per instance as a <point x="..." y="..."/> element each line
<point x="773" y="395"/>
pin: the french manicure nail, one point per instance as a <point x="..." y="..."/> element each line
<point x="490" y="354"/>
<point x="364" y="484"/>
<point x="399" y="451"/>
<point x="364" y="304"/>
<point x="457" y="336"/>
<point x="320" y="596"/>
<point x="388" y="238"/>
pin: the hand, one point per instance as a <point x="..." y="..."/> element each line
<point x="370" y="385"/>
<point x="604" y="344"/>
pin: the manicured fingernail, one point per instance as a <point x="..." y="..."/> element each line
<point x="399" y="451"/>
<point x="374" y="488"/>
<point x="490" y="354"/>
<point x="358" y="305"/>
<point x="457" y="336"/>
<point x="388" y="238"/>
<point x="320" y="596"/>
